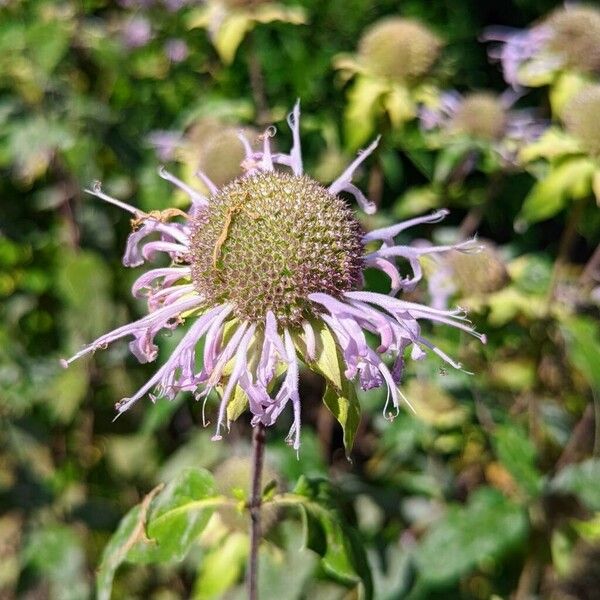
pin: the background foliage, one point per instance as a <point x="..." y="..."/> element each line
<point x="490" y="490"/>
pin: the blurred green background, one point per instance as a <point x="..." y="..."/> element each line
<point x="490" y="490"/>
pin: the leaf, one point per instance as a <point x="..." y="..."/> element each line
<point x="129" y="532"/>
<point x="362" y="109"/>
<point x="342" y="554"/>
<point x="237" y="405"/>
<point x="570" y="180"/>
<point x="346" y="409"/>
<point x="581" y="479"/>
<point x="328" y="361"/>
<point x="399" y="105"/>
<point x="517" y="453"/>
<point x="230" y="35"/>
<point x="582" y="335"/>
<point x="486" y="529"/>
<point x="552" y="144"/>
<point x="221" y="567"/>
<point x="57" y="553"/>
<point x="163" y="527"/>
<point x="596" y="186"/>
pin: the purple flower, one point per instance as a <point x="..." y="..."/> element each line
<point x="137" y="32"/>
<point x="484" y="117"/>
<point x="265" y="270"/>
<point x="176" y="50"/>
<point x="567" y="38"/>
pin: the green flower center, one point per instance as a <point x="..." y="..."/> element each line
<point x="399" y="49"/>
<point x="268" y="241"/>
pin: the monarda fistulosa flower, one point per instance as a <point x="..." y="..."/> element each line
<point x="567" y="39"/>
<point x="264" y="271"/>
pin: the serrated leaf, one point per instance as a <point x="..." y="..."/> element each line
<point x="517" y="453"/>
<point x="582" y="480"/>
<point x="485" y="529"/>
<point x="163" y="527"/>
<point x="570" y="180"/>
<point x="345" y="408"/>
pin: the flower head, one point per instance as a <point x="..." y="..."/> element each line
<point x="485" y="119"/>
<point x="398" y="49"/>
<point x="580" y="116"/>
<point x="264" y="270"/>
<point x="568" y="38"/>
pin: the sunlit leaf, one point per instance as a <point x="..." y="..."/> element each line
<point x="221" y="567"/>
<point x="163" y="527"/>
<point x="345" y="408"/>
<point x="570" y="180"/>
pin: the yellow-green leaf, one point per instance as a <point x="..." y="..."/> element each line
<point x="345" y="408"/>
<point x="362" y="109"/>
<point x="570" y="180"/>
<point x="230" y="35"/>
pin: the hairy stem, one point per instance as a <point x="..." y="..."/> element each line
<point x="258" y="456"/>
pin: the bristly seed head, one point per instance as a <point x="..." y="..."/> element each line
<point x="580" y="116"/>
<point x="399" y="49"/>
<point x="575" y="35"/>
<point x="480" y="115"/>
<point x="268" y="241"/>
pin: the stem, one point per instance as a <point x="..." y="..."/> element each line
<point x="257" y="82"/>
<point x="565" y="245"/>
<point x="258" y="456"/>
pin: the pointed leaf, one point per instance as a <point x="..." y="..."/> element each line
<point x="345" y="408"/>
<point x="572" y="179"/>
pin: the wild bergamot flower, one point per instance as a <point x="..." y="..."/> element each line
<point x="566" y="39"/>
<point x="263" y="269"/>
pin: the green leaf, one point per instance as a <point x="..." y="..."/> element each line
<point x="362" y="109"/>
<point x="570" y="180"/>
<point x="163" y="527"/>
<point x="345" y="408"/>
<point x="57" y="553"/>
<point x="399" y="105"/>
<point x="517" y="453"/>
<point x="553" y="144"/>
<point x="328" y="361"/>
<point x="342" y="554"/>
<point x="238" y="404"/>
<point x="581" y="479"/>
<point x="221" y="567"/>
<point x="582" y="335"/>
<point x="486" y="529"/>
<point x="230" y="35"/>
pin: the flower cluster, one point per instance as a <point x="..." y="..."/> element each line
<point x="262" y="269"/>
<point x="567" y="39"/>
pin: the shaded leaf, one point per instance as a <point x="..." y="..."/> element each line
<point x="485" y="529"/>
<point x="345" y="408"/>
<point x="517" y="453"/>
<point x="581" y="479"/>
